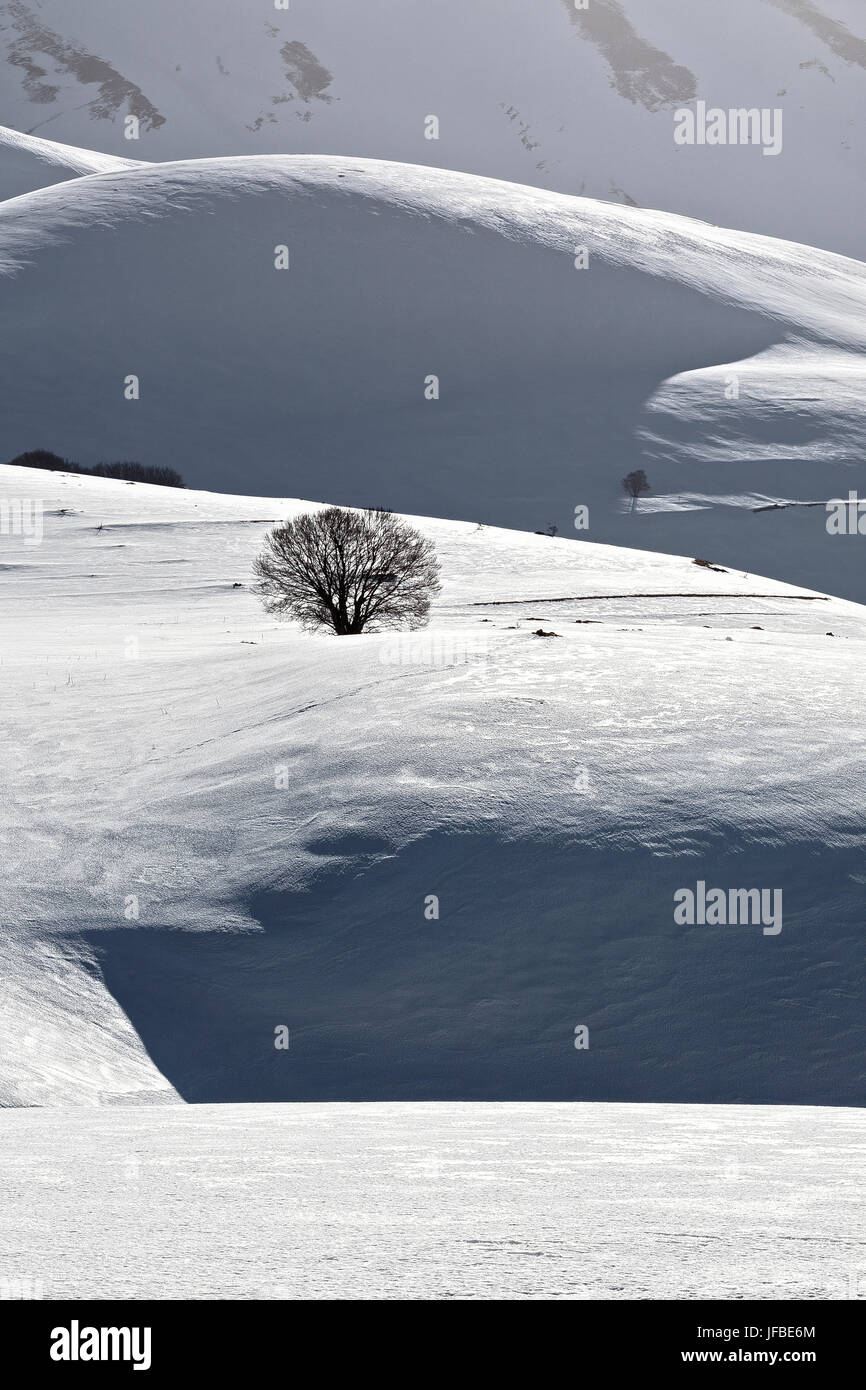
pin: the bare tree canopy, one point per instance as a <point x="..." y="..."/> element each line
<point x="348" y="570"/>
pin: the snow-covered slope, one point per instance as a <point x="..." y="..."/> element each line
<point x="238" y="827"/>
<point x="436" y="1202"/>
<point x="690" y="349"/>
<point x="27" y="163"/>
<point x="576" y="98"/>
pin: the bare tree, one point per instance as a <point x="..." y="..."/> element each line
<point x="348" y="570"/>
<point x="633" y="484"/>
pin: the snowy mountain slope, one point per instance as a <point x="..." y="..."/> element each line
<point x="553" y="381"/>
<point x="243" y="825"/>
<point x="581" y="101"/>
<point x="27" y="163"/>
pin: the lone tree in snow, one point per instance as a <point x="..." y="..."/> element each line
<point x="634" y="484"/>
<point x="348" y="570"/>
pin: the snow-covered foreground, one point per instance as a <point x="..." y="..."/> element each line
<point x="216" y="826"/>
<point x="436" y="345"/>
<point x="435" y="1202"/>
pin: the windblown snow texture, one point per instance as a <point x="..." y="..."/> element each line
<point x="542" y="93"/>
<point x="445" y="865"/>
<point x="724" y="363"/>
<point x="436" y="1201"/>
<point x="230" y="827"/>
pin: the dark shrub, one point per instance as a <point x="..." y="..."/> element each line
<point x="128" y="472"/>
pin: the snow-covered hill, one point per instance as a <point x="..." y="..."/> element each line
<point x="27" y="163"/>
<point x="215" y="827"/>
<point x="434" y="346"/>
<point x="577" y="98"/>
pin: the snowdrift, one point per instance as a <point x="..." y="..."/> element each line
<point x="580" y="101"/>
<point x="704" y="1193"/>
<point x="431" y="857"/>
<point x="433" y="346"/>
<point x="27" y="163"/>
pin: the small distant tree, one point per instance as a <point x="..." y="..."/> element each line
<point x="634" y="484"/>
<point x="348" y="570"/>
